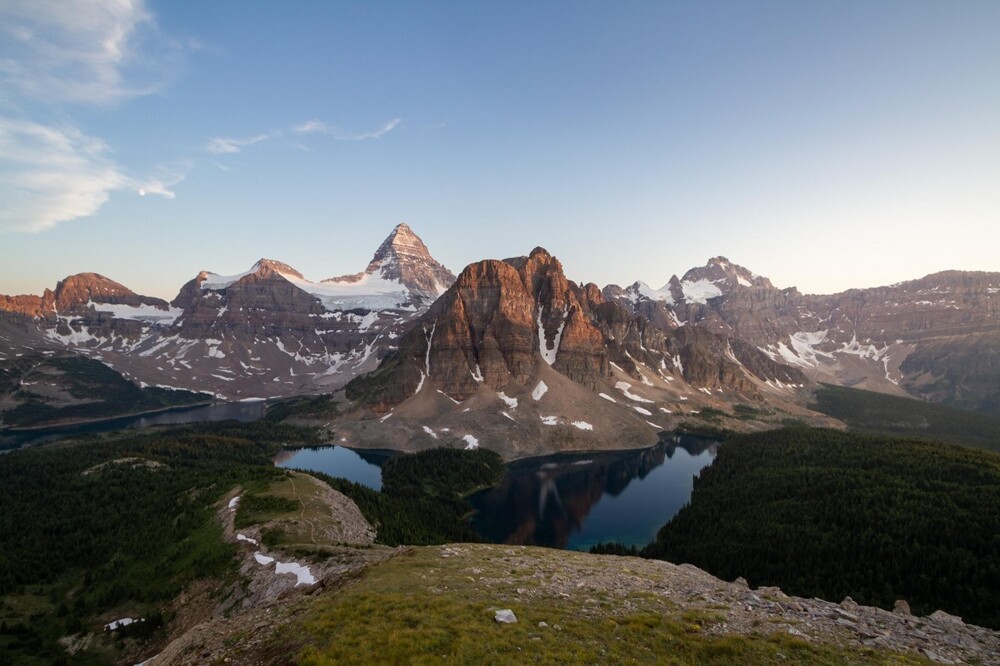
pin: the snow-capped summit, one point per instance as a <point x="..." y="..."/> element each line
<point x="402" y="275"/>
<point x="402" y="258"/>
<point x="264" y="268"/>
<point x="719" y="276"/>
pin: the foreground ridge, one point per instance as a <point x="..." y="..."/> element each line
<point x="583" y="607"/>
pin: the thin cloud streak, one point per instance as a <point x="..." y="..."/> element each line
<point x="339" y="134"/>
<point x="224" y="146"/>
<point x="56" y="174"/>
<point x="230" y="146"/>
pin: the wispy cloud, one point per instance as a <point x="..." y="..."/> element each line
<point x="56" y="174"/>
<point x="221" y="146"/>
<point x="340" y="134"/>
<point x="229" y="146"/>
<point x="58" y="54"/>
<point x="72" y="51"/>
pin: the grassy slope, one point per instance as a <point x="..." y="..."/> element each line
<point x="424" y="609"/>
<point x="888" y="414"/>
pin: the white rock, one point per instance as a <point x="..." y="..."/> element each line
<point x="505" y="616"/>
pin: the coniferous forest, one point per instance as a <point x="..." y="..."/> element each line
<point x="118" y="524"/>
<point x="831" y="514"/>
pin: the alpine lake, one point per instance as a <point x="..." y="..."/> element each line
<point x="569" y="501"/>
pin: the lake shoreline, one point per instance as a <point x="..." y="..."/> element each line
<point x="567" y="499"/>
<point x="55" y="427"/>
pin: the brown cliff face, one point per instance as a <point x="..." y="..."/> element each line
<point x="29" y="306"/>
<point x="73" y="294"/>
<point x="82" y="288"/>
<point x="497" y="323"/>
<point x="502" y="320"/>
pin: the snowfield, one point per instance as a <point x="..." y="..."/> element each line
<point x="700" y="291"/>
<point x="367" y="291"/>
<point x="145" y="313"/>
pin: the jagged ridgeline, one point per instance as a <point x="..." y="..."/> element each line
<point x="503" y="321"/>
<point x="270" y="331"/>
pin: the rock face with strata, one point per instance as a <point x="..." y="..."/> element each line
<point x="502" y="320"/>
<point x="936" y="338"/>
<point x="77" y="295"/>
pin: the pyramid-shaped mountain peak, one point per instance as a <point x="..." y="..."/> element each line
<point x="402" y="257"/>
<point x="402" y="241"/>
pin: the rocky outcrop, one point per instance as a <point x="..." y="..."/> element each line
<point x="29" y="306"/>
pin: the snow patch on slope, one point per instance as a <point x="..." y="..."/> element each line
<point x="549" y="354"/>
<point x="539" y="391"/>
<point x="511" y="402"/>
<point x="700" y="291"/>
<point x="624" y="388"/>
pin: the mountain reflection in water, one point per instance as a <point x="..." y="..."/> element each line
<point x="576" y="501"/>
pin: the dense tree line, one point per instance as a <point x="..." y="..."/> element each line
<point x="125" y="520"/>
<point x="894" y="415"/>
<point x="832" y="514"/>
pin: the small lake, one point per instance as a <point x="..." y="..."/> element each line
<point x="562" y="501"/>
<point x="235" y="411"/>
<point x="361" y="466"/>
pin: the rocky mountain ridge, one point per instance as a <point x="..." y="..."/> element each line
<point x="936" y="338"/>
<point x="262" y="333"/>
<point x="270" y="332"/>
<point x="518" y="358"/>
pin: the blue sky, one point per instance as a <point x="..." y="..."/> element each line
<point x="827" y="145"/>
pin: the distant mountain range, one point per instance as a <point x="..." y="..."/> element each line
<point x="263" y="333"/>
<point x="417" y="341"/>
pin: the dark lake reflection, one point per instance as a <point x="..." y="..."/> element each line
<point x="576" y="501"/>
